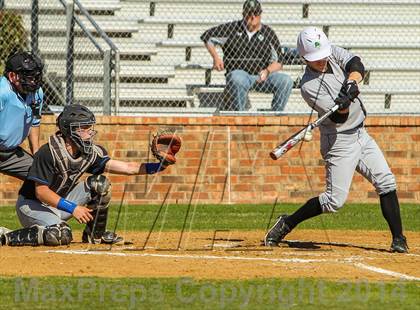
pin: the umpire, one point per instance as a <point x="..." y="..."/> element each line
<point x="21" y="98"/>
<point x="252" y="57"/>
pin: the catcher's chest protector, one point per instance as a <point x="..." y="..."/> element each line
<point x="69" y="168"/>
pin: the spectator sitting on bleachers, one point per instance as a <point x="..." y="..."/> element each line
<point x="252" y="58"/>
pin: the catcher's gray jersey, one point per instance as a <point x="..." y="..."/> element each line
<point x="319" y="90"/>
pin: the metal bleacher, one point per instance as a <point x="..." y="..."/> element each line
<point x="164" y="66"/>
<point x="389" y="87"/>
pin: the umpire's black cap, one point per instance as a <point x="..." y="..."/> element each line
<point x="252" y="7"/>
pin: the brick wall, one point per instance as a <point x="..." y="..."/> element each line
<point x="209" y="171"/>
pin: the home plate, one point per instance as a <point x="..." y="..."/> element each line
<point x="224" y="245"/>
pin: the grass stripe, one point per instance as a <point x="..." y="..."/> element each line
<point x="241" y="217"/>
<point x="185" y="293"/>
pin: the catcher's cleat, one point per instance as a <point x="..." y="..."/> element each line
<point x="108" y="237"/>
<point x="399" y="245"/>
<point x="279" y="230"/>
<point x="3" y="231"/>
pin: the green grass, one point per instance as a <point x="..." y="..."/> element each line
<point x="185" y="293"/>
<point x="170" y="293"/>
<point x="239" y="217"/>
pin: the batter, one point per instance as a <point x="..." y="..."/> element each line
<point x="331" y="77"/>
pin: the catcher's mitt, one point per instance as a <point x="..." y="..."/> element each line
<point x="164" y="147"/>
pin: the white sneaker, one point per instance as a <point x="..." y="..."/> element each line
<point x="4" y="230"/>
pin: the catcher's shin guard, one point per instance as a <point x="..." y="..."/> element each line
<point x="99" y="186"/>
<point x="59" y="234"/>
<point x="95" y="230"/>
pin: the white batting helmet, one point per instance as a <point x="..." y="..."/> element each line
<point x="313" y="44"/>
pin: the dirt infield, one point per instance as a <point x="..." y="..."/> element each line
<point x="336" y="255"/>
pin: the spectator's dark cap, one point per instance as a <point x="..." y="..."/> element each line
<point x="24" y="62"/>
<point x="252" y="7"/>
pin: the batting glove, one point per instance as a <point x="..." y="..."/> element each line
<point x="350" y="89"/>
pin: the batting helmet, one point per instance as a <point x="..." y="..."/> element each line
<point x="313" y="44"/>
<point x="72" y="121"/>
<point x="29" y="68"/>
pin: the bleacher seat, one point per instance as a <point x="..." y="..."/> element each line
<point x="164" y="63"/>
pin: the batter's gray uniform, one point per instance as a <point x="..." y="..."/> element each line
<point x="345" y="146"/>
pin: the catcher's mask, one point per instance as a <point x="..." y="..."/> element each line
<point x="76" y="122"/>
<point x="28" y="67"/>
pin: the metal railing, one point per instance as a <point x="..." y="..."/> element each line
<point x="108" y="51"/>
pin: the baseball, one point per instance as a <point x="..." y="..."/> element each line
<point x="308" y="136"/>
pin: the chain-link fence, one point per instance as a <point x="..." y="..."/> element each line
<point x="80" y="60"/>
<point x="163" y="65"/>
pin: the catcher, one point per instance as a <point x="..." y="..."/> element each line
<point x="51" y="195"/>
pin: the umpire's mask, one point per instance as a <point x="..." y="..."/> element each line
<point x="76" y="122"/>
<point x="28" y="67"/>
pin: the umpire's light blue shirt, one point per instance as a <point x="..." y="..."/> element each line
<point x="16" y="117"/>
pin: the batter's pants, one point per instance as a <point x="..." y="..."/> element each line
<point x="345" y="153"/>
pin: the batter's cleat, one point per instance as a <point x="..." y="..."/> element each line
<point x="277" y="232"/>
<point x="399" y="245"/>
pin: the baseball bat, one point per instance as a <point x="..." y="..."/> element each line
<point x="290" y="142"/>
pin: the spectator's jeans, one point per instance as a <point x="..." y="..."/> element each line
<point x="239" y="82"/>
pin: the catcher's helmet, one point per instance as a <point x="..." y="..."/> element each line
<point x="29" y="68"/>
<point x="72" y="121"/>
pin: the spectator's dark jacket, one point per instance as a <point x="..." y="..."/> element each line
<point x="241" y="53"/>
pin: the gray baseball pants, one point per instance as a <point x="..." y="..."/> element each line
<point x="33" y="212"/>
<point x="16" y="163"/>
<point x="344" y="153"/>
